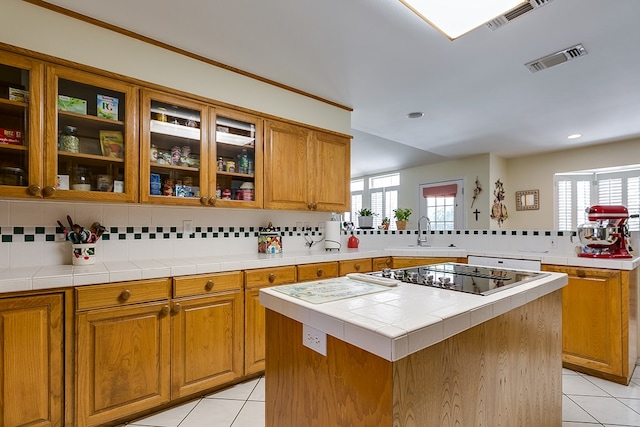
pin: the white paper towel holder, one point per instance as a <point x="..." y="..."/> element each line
<point x="332" y="236"/>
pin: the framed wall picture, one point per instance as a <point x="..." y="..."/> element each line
<point x="527" y="200"/>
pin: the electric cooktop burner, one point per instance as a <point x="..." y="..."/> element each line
<point x="461" y="277"/>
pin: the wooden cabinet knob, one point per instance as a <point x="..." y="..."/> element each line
<point x="34" y="190"/>
<point x="175" y="309"/>
<point x="314" y="206"/>
<point x="581" y="273"/>
<point x="310" y="206"/>
<point x="272" y="278"/>
<point x="204" y="200"/>
<point x="212" y="201"/>
<point x="164" y="310"/>
<point x="388" y="262"/>
<point x="319" y="272"/>
<point x="209" y="285"/>
<point x="125" y="295"/>
<point x="49" y="191"/>
<point x="357" y="267"/>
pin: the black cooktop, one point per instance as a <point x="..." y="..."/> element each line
<point x="461" y="277"/>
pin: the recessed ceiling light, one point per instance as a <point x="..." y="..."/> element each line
<point x="415" y="115"/>
<point x="454" y="18"/>
<point x="574" y="136"/>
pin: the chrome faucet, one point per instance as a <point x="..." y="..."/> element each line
<point x="421" y="241"/>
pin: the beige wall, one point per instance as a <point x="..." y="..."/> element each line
<point x="497" y="171"/>
<point x="468" y="169"/>
<point x="35" y="28"/>
<point x="536" y="172"/>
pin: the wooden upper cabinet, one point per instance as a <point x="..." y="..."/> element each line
<point x="91" y="137"/>
<point x="331" y="165"/>
<point x="286" y="175"/>
<point x="21" y="100"/>
<point x="305" y="170"/>
<point x="174" y="151"/>
<point x="237" y="165"/>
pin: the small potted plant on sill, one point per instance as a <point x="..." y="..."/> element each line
<point x="385" y="223"/>
<point x="365" y="218"/>
<point x="402" y="216"/>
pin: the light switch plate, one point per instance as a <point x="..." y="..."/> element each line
<point x="314" y="339"/>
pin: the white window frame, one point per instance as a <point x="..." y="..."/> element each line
<point x="425" y="207"/>
<point x="389" y="198"/>
<point x="627" y="196"/>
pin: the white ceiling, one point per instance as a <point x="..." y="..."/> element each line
<point x="379" y="58"/>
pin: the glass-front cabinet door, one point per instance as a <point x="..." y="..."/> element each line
<point x="91" y="144"/>
<point x="21" y="84"/>
<point x="238" y="159"/>
<point x="174" y="157"/>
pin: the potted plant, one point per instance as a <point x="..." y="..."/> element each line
<point x="402" y="216"/>
<point x="385" y="223"/>
<point x="365" y="218"/>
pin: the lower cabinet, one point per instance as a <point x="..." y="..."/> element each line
<point x="599" y="321"/>
<point x="254" y="344"/>
<point x="141" y="344"/>
<point x="32" y="361"/>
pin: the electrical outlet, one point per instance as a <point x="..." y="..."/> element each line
<point x="314" y="339"/>
<point x="187" y="226"/>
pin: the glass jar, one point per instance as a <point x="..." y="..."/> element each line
<point x="82" y="180"/>
<point x="243" y="163"/>
<point x="68" y="140"/>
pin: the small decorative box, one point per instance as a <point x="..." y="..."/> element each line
<point x="269" y="240"/>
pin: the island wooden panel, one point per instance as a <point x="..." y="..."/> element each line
<point x="505" y="372"/>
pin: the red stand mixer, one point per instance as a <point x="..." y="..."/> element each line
<point x="606" y="233"/>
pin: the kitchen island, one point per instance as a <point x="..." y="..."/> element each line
<point x="416" y="356"/>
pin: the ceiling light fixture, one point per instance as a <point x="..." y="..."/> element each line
<point x="415" y="115"/>
<point x="454" y="18"/>
<point x="574" y="136"/>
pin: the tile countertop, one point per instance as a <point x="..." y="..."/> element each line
<point x="57" y="276"/>
<point x="404" y="319"/>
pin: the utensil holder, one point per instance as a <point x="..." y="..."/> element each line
<point x="83" y="254"/>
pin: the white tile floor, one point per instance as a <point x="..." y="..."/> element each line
<point x="587" y="402"/>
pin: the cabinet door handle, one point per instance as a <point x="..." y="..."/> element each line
<point x="34" y="190"/>
<point x="125" y="295"/>
<point x="272" y="278"/>
<point x="310" y="206"/>
<point x="204" y="200"/>
<point x="49" y="191"/>
<point x="175" y="309"/>
<point x="314" y="206"/>
<point x="164" y="310"/>
<point x="357" y="267"/>
<point x="209" y="285"/>
<point x="581" y="273"/>
<point x="388" y="262"/>
<point x="212" y="201"/>
<point x="319" y="272"/>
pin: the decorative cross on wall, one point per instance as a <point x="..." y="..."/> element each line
<point x="476" y="212"/>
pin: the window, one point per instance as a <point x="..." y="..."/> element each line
<point x="440" y="203"/>
<point x="575" y="192"/>
<point x="381" y="193"/>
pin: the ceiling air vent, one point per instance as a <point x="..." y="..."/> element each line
<point x="556" y="58"/>
<point x="503" y="20"/>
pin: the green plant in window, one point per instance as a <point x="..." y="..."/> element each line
<point x="402" y="214"/>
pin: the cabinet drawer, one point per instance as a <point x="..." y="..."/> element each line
<point x="122" y="293"/>
<point x="269" y="276"/>
<point x="322" y="270"/>
<point x="206" y="283"/>
<point x="355" y="266"/>
<point x="382" y="263"/>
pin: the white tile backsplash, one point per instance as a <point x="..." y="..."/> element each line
<point x="27" y="213"/>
